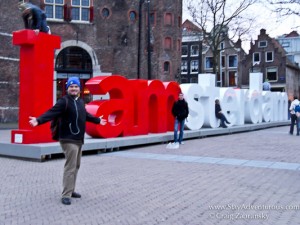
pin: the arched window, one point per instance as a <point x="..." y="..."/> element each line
<point x="168" y="43"/>
<point x="166" y="67"/>
<point x="74" y="59"/>
<point x="168" y="19"/>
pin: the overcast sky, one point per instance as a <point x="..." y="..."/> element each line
<point x="274" y="25"/>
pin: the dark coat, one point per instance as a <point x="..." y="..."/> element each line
<point x="218" y="110"/>
<point x="180" y="110"/>
<point x="73" y="118"/>
<point x="37" y="17"/>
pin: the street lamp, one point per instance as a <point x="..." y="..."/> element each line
<point x="149" y="40"/>
<point x="221" y="75"/>
<point x="141" y="2"/>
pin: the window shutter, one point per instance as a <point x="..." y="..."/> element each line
<point x="91" y="14"/>
<point x="67" y="13"/>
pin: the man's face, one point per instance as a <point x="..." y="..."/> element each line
<point x="73" y="90"/>
<point x="180" y="96"/>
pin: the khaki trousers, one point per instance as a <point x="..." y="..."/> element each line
<point x="72" y="153"/>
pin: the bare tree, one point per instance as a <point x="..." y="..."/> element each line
<point x="286" y="7"/>
<point x="218" y="18"/>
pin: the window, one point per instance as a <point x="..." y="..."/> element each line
<point x="222" y="45"/>
<point x="256" y="58"/>
<point x="168" y="43"/>
<point x="54" y="9"/>
<point x="184" y="66"/>
<point x="184" y="50"/>
<point x="208" y="62"/>
<point x="132" y="16"/>
<point x="73" y="59"/>
<point x="269" y="57"/>
<point x="194" y="50"/>
<point x="105" y="13"/>
<point x="262" y="44"/>
<point x="272" y="73"/>
<point x="168" y="19"/>
<point x="255" y="70"/>
<point x="194" y="66"/>
<point x="194" y="80"/>
<point x="291" y="58"/>
<point x="166" y="67"/>
<point x="285" y="44"/>
<point x="232" y="61"/>
<point x="80" y="10"/>
<point x="184" y="80"/>
<point x="152" y="18"/>
<point x="223" y="61"/>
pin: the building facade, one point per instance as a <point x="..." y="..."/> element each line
<point x="267" y="56"/>
<point x="229" y="61"/>
<point x="135" y="39"/>
<point x="191" y="53"/>
<point x="291" y="44"/>
<point x="197" y="57"/>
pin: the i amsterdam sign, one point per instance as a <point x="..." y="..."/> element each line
<point x="134" y="107"/>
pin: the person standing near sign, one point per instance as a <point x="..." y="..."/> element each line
<point x="71" y="133"/>
<point x="180" y="111"/>
<point x="293" y="114"/>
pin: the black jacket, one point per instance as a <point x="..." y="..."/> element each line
<point x="180" y="110"/>
<point x="217" y="110"/>
<point x="73" y="118"/>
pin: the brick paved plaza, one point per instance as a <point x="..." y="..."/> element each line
<point x="243" y="178"/>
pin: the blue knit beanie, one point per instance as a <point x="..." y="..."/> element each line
<point x="73" y="80"/>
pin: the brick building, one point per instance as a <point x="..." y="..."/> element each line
<point x="98" y="38"/>
<point x="267" y="56"/>
<point x="197" y="57"/>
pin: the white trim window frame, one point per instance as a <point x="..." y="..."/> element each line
<point x="194" y="69"/>
<point x="233" y="63"/>
<point x="285" y="44"/>
<point x="271" y="54"/>
<point x="81" y="10"/>
<point x="256" y="58"/>
<point x="272" y="70"/>
<point x="184" y="49"/>
<point x="184" y="67"/>
<point x="222" y="45"/>
<point x="194" y="50"/>
<point x="262" y="44"/>
<point x="54" y="9"/>
<point x="208" y="63"/>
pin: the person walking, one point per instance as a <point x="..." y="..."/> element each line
<point x="180" y="111"/>
<point x="73" y="116"/>
<point x="297" y="113"/>
<point x="294" y="103"/>
<point x="219" y="114"/>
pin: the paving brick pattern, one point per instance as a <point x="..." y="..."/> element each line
<point x="119" y="190"/>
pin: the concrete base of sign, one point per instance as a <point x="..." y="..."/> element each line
<point x="40" y="152"/>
